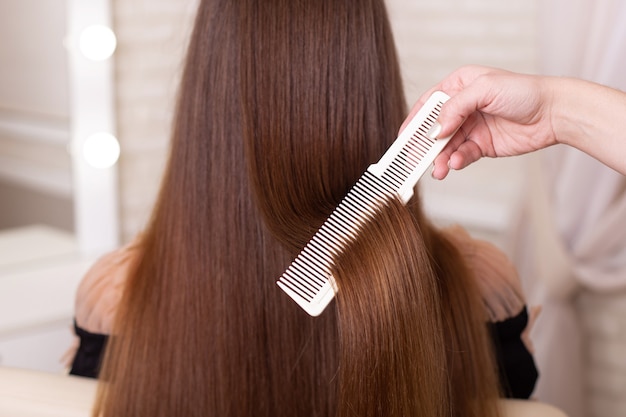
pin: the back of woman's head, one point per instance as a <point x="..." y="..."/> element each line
<point x="283" y="104"/>
<point x="322" y="100"/>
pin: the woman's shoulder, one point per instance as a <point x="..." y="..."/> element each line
<point x="101" y="289"/>
<point x="496" y="276"/>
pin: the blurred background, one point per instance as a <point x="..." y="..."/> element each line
<point x="87" y="91"/>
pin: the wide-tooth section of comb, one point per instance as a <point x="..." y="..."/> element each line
<point x="413" y="151"/>
<point x="308" y="280"/>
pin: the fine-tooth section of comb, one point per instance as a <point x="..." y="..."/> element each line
<point x="308" y="280"/>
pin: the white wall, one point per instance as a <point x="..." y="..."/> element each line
<point x="34" y="114"/>
<point x="152" y="39"/>
<point x="433" y="38"/>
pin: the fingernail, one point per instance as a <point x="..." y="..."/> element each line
<point x="434" y="131"/>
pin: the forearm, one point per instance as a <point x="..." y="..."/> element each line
<point x="591" y="118"/>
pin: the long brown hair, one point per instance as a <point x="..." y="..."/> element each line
<point x="283" y="104"/>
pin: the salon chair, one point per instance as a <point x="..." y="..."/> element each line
<point x="26" y="393"/>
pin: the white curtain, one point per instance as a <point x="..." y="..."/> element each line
<point x="571" y="233"/>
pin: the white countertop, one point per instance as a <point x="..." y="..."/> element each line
<point x="40" y="268"/>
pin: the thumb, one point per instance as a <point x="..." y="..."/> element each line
<point x="453" y="113"/>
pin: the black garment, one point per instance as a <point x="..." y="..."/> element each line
<point x="516" y="366"/>
<point x="90" y="352"/>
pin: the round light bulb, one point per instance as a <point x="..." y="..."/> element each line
<point x="101" y="150"/>
<point x="97" y="42"/>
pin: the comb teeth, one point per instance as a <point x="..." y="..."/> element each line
<point x="413" y="152"/>
<point x="308" y="279"/>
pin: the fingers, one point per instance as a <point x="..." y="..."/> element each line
<point x="467" y="93"/>
<point x="463" y="106"/>
<point x="440" y="167"/>
<point x="453" y="114"/>
<point x="467" y="153"/>
<point x="441" y="163"/>
<point x="451" y="85"/>
<point x="461" y="150"/>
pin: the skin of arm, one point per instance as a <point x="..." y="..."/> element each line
<point x="502" y="113"/>
<point x="592" y="118"/>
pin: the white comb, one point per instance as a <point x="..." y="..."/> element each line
<point x="308" y="279"/>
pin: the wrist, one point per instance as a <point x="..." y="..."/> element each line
<point x="560" y="106"/>
<point x="577" y="108"/>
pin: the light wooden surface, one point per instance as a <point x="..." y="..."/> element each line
<point x="26" y="393"/>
